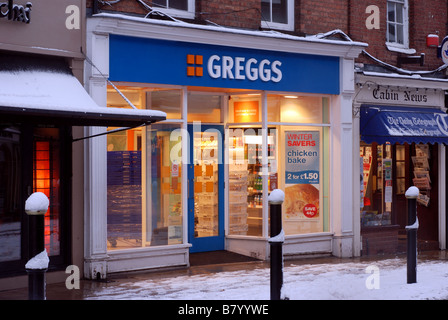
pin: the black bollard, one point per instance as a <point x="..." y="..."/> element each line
<point x="36" y="277"/>
<point x="36" y="284"/>
<point x="411" y="232"/>
<point x="276" y="243"/>
<point x="36" y="206"/>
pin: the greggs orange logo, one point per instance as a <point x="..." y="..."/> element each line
<point x="194" y="65"/>
<point x="238" y="68"/>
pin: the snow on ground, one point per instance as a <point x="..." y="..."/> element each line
<point x="340" y="281"/>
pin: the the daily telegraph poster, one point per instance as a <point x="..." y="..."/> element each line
<point x="302" y="174"/>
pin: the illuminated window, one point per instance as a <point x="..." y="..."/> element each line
<point x="46" y="180"/>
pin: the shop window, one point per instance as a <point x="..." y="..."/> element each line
<point x="166" y="100"/>
<point x="303" y="175"/>
<point x="46" y="179"/>
<point x="293" y="108"/>
<point x="246" y="178"/>
<point x="33" y="159"/>
<point x="124" y="189"/>
<point x="10" y="197"/>
<point x="144" y="204"/>
<point x="204" y="107"/>
<point x="164" y="186"/>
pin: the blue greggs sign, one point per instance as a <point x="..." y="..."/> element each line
<point x="183" y="63"/>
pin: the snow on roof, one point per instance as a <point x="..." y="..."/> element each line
<point x="259" y="33"/>
<point x="47" y="90"/>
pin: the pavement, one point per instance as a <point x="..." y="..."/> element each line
<point x="90" y="289"/>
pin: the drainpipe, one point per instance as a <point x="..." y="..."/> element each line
<point x="95" y="7"/>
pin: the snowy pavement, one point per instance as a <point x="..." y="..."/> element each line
<point x="367" y="280"/>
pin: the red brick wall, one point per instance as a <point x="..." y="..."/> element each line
<point x="126" y="6"/>
<point x="425" y="17"/>
<point x="231" y="13"/>
<point x="314" y="17"/>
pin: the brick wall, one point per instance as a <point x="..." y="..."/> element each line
<point x="425" y="17"/>
<point x="231" y="13"/>
<point x="312" y="17"/>
<point x="126" y="6"/>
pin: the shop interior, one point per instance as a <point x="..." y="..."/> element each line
<point x="145" y="164"/>
<point x="388" y="170"/>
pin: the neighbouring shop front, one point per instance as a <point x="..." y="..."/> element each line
<point x="402" y="128"/>
<point x="43" y="109"/>
<point x="241" y="121"/>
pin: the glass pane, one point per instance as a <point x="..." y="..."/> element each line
<point x="47" y="180"/>
<point x="246" y="179"/>
<point x="400" y="152"/>
<point x="390" y="12"/>
<point x="166" y="100"/>
<point x="205" y="157"/>
<point x="266" y="10"/>
<point x="10" y="186"/>
<point x="280" y="11"/>
<point x="164" y="187"/>
<point x="399" y="12"/>
<point x="401" y="186"/>
<point x="297" y="108"/>
<point x="204" y="108"/>
<point x="304" y="187"/>
<point x="391" y="32"/>
<point x="400" y="34"/>
<point x="178" y="4"/>
<point x="124" y="189"/>
<point x="160" y="3"/>
<point x="401" y="170"/>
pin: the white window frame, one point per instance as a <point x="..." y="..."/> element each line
<point x="188" y="14"/>
<point x="281" y="26"/>
<point x="393" y="44"/>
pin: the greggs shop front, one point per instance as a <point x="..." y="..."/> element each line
<point x="247" y="112"/>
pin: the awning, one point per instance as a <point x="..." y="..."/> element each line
<point x="393" y="124"/>
<point x="44" y="91"/>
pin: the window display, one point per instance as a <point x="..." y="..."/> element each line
<point x="246" y="179"/>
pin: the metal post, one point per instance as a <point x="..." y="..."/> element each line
<point x="411" y="231"/>
<point x="36" y="277"/>
<point x="36" y="206"/>
<point x="276" y="243"/>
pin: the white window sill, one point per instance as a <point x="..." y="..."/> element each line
<point x="277" y="26"/>
<point x="400" y="49"/>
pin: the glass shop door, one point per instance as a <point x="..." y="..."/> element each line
<point x="206" y="188"/>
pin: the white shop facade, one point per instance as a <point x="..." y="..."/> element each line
<point x="247" y="112"/>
